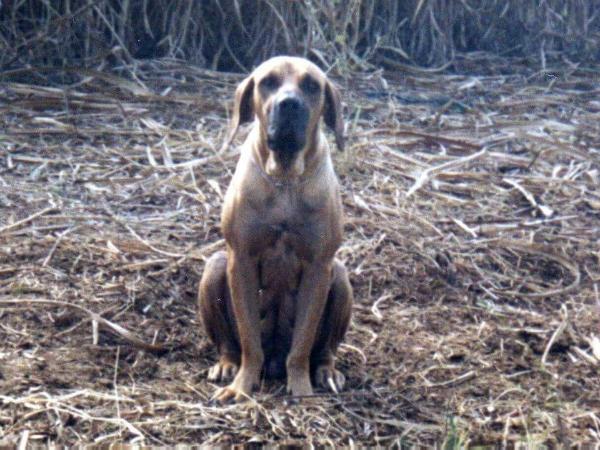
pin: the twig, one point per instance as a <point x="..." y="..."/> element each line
<point x="428" y="173"/>
<point x="538" y="250"/>
<point x="114" y="328"/>
<point x="559" y="330"/>
<point x="115" y="386"/>
<point x="139" y="238"/>
<point x="59" y="238"/>
<point x="17" y="224"/>
<point x="23" y="440"/>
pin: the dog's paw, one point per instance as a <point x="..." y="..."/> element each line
<point x="328" y="377"/>
<point x="224" y="370"/>
<point x="230" y="393"/>
<point x="300" y="385"/>
<point x="239" y="389"/>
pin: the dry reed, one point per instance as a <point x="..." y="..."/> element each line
<point x="238" y="34"/>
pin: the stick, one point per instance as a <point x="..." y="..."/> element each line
<point x="427" y="173"/>
<point x="27" y="219"/>
<point x="112" y="327"/>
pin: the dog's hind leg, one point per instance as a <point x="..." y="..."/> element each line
<point x="215" y="312"/>
<point x="332" y="328"/>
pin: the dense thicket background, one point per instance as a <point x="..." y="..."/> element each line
<point x="235" y="35"/>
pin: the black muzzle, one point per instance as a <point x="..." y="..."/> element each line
<point x="286" y="132"/>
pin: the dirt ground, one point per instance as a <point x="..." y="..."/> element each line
<point x="472" y="240"/>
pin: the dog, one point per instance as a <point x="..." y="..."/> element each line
<point x="276" y="302"/>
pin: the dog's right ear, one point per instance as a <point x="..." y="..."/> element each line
<point x="243" y="108"/>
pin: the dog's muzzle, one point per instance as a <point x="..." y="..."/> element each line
<point x="286" y="133"/>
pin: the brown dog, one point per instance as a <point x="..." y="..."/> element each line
<point x="277" y="301"/>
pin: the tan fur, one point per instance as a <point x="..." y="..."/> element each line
<point x="277" y="296"/>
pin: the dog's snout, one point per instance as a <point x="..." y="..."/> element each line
<point x="288" y="121"/>
<point x="289" y="104"/>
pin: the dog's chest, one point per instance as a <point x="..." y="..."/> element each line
<point x="287" y="234"/>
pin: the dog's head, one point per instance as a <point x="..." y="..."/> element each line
<point x="288" y="96"/>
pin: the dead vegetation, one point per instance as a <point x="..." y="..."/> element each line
<point x="236" y="35"/>
<point x="472" y="239"/>
<point x="472" y="207"/>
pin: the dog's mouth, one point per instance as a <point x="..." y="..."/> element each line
<point x="286" y="133"/>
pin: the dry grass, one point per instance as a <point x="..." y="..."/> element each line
<point x="472" y="240"/>
<point x="238" y="34"/>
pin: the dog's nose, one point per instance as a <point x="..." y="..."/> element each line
<point x="289" y="104"/>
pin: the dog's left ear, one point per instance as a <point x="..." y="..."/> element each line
<point x="243" y="110"/>
<point x="332" y="113"/>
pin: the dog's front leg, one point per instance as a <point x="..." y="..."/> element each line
<point x="312" y="297"/>
<point x="242" y="276"/>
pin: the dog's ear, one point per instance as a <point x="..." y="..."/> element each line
<point x="243" y="108"/>
<point x="332" y="113"/>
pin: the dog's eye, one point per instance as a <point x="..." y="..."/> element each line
<point x="310" y="85"/>
<point x="270" y="82"/>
